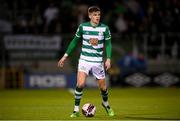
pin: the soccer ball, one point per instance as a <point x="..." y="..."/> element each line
<point x="89" y="110"/>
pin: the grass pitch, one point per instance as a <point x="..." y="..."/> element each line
<point x="57" y="104"/>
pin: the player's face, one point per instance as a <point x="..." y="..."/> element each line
<point x="95" y="17"/>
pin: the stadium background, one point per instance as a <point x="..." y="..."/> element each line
<point x="146" y="44"/>
<point x="35" y="34"/>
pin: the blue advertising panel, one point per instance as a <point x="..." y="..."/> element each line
<point x="44" y="80"/>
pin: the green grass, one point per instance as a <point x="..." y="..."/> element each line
<point x="57" y="104"/>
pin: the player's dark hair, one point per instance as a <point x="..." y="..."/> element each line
<point x="93" y="9"/>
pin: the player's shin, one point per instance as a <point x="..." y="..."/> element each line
<point x="78" y="94"/>
<point x="105" y="103"/>
<point x="104" y="94"/>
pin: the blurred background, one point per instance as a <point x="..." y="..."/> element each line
<point x="34" y="35"/>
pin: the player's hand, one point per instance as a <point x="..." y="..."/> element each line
<point x="61" y="61"/>
<point x="108" y="64"/>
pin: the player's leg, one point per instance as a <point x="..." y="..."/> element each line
<point x="83" y="70"/>
<point x="99" y="73"/>
<point x="81" y="77"/>
<point x="104" y="93"/>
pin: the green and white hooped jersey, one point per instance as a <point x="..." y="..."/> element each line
<point x="89" y="52"/>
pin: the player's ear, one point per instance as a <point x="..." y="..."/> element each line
<point x="90" y="16"/>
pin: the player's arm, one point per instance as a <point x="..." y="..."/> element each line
<point x="108" y="48"/>
<point x="108" y="54"/>
<point x="71" y="47"/>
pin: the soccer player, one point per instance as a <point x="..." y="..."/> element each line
<point x="94" y="36"/>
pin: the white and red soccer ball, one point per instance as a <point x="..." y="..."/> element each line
<point x="89" y="110"/>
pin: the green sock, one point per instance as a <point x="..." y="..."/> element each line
<point x="78" y="94"/>
<point x="104" y="94"/>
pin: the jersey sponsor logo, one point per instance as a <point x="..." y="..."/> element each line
<point x="93" y="41"/>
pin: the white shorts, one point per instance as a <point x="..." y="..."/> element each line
<point x="97" y="69"/>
